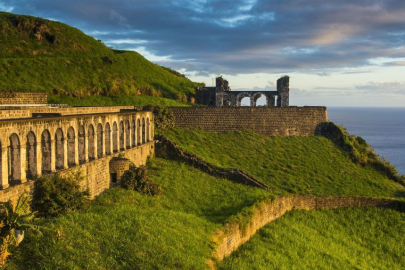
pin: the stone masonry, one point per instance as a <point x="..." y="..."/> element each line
<point x="23" y="98"/>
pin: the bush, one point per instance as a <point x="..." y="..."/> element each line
<point x="57" y="195"/>
<point x="137" y="179"/>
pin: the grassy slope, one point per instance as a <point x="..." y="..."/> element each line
<point x="338" y="239"/>
<point x="75" y="65"/>
<point x="305" y="165"/>
<point x="125" y="230"/>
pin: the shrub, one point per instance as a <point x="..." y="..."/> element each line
<point x="56" y="194"/>
<point x="137" y="179"/>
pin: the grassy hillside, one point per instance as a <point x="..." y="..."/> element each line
<point x="338" y="239"/>
<point x="125" y="230"/>
<point x="48" y="56"/>
<point x="304" y="165"/>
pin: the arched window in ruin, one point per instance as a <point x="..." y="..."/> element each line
<point x="127" y="135"/>
<point x="107" y="139"/>
<point x="243" y="99"/>
<point x="143" y="130"/>
<point x="71" y="147"/>
<point x="82" y="144"/>
<point x="59" y="149"/>
<point x="99" y="140"/>
<point x="122" y="138"/>
<point x="138" y="134"/>
<point x="133" y="133"/>
<point x="92" y="154"/>
<point x="260" y="100"/>
<point x="31" y="155"/>
<point x="46" y="151"/>
<point x="115" y="137"/>
<point x="14" y="158"/>
<point x="147" y="130"/>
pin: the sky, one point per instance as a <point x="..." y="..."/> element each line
<point x="336" y="52"/>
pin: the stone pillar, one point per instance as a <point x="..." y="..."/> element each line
<point x="53" y="156"/>
<point x="86" y="147"/>
<point x="252" y="102"/>
<point x="65" y="153"/>
<point x="271" y="101"/>
<point x="4" y="168"/>
<point x="111" y="140"/>
<point x="39" y="157"/>
<point x="103" y="143"/>
<point x="283" y="88"/>
<point x="124" y="138"/>
<point x="77" y="149"/>
<point x="23" y="162"/>
<point x="95" y="145"/>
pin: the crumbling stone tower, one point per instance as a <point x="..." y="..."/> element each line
<point x="283" y="89"/>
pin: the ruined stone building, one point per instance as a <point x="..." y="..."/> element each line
<point x="221" y="95"/>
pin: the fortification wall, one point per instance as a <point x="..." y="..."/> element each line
<point x="96" y="173"/>
<point x="232" y="235"/>
<point x="290" y="121"/>
<point x="23" y="98"/>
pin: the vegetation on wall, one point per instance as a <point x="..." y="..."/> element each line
<point x="163" y="117"/>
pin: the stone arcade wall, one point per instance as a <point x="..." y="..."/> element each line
<point x="23" y="98"/>
<point x="291" y="121"/>
<point x="96" y="174"/>
<point x="233" y="235"/>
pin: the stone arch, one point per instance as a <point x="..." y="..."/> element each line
<point x="138" y="134"/>
<point x="239" y="98"/>
<point x="14" y="157"/>
<point x="92" y="154"/>
<point x="99" y="140"/>
<point x="127" y="135"/>
<point x="71" y="149"/>
<point x="31" y="154"/>
<point x="133" y="133"/>
<point x="147" y="130"/>
<point x="107" y="139"/>
<point x="46" y="151"/>
<point x="143" y="130"/>
<point x="59" y="149"/>
<point x="115" y="137"/>
<point x="122" y="138"/>
<point x="258" y="95"/>
<point x="82" y="144"/>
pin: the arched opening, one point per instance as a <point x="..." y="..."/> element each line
<point x="138" y="134"/>
<point x="127" y="135"/>
<point x="99" y="140"/>
<point x="147" y="130"/>
<point x="143" y="130"/>
<point x="82" y="144"/>
<point x="59" y="151"/>
<point x="14" y="158"/>
<point x="71" y="147"/>
<point x="107" y="139"/>
<point x="46" y="151"/>
<point x="245" y="102"/>
<point x="133" y="133"/>
<point x="122" y="138"/>
<point x="260" y="100"/>
<point x="31" y="155"/>
<point x="92" y="154"/>
<point x="243" y="99"/>
<point x="115" y="137"/>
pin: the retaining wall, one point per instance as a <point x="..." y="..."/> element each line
<point x="289" y="121"/>
<point x="232" y="235"/>
<point x="23" y="98"/>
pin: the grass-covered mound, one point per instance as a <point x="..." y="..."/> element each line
<point x="47" y="56"/>
<point x="304" y="165"/>
<point x="123" y="229"/>
<point x="338" y="239"/>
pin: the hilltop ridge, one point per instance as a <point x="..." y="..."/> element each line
<point x="39" y="55"/>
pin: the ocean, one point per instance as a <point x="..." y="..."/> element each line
<point x="383" y="128"/>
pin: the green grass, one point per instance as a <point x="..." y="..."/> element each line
<point x="119" y="100"/>
<point x="125" y="230"/>
<point x="330" y="239"/>
<point x="77" y="65"/>
<point x="301" y="165"/>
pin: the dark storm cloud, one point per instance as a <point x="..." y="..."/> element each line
<point x="239" y="36"/>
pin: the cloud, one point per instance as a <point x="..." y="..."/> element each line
<point x="396" y="87"/>
<point x="240" y="36"/>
